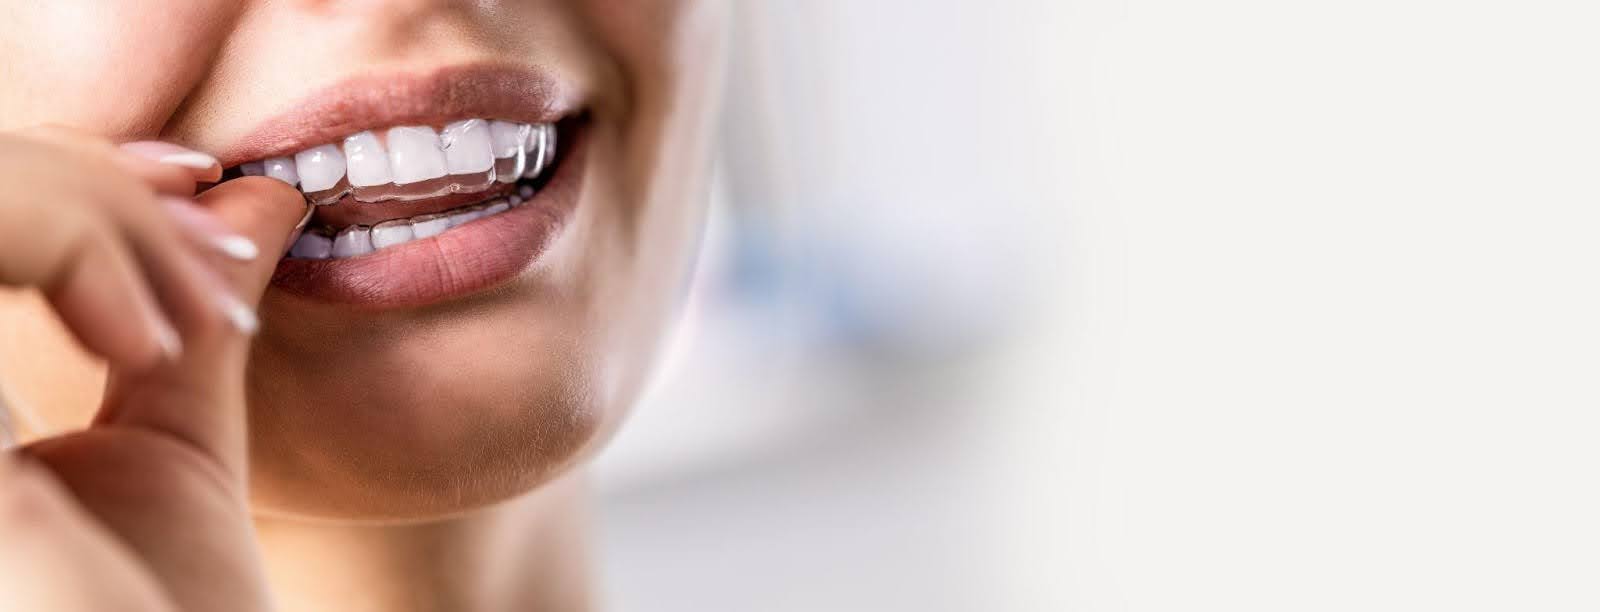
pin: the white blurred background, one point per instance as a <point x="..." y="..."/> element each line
<point x="1135" y="305"/>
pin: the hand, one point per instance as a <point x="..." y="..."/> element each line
<point x="146" y="509"/>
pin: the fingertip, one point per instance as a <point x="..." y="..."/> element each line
<point x="264" y="210"/>
<point x="205" y="227"/>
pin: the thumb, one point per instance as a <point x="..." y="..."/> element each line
<point x="199" y="398"/>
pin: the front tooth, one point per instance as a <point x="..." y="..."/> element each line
<point x="498" y="206"/>
<point x="312" y="246"/>
<point x="320" y="167"/>
<point x="282" y="168"/>
<point x="253" y="168"/>
<point x="390" y="233"/>
<point x="354" y="240"/>
<point x="508" y="138"/>
<point x="468" y="148"/>
<point x="414" y="154"/>
<point x="464" y="217"/>
<point x="431" y="226"/>
<point x="367" y="161"/>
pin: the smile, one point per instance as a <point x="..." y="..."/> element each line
<point x="414" y="207"/>
<point x="412" y="164"/>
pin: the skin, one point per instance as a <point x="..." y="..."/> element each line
<point x="425" y="458"/>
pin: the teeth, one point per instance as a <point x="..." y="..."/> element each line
<point x="312" y="246"/>
<point x="353" y="241"/>
<point x="415" y="154"/>
<point x="368" y="162"/>
<point x="468" y="147"/>
<point x="509" y="139"/>
<point x="465" y="217"/>
<point x="282" y="168"/>
<point x="433" y="225"/>
<point x="390" y="233"/>
<point x="360" y="239"/>
<point x="320" y="168"/>
<point x="409" y="163"/>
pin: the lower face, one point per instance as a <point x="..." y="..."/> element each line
<point x="514" y="192"/>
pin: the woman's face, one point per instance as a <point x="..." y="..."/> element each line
<point x="450" y="372"/>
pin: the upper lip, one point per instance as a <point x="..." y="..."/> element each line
<point x="488" y="90"/>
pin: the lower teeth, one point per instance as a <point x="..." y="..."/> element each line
<point x="357" y="240"/>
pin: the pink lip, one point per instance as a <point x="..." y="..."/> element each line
<point x="461" y="261"/>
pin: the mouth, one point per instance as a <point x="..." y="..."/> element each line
<point x="427" y="187"/>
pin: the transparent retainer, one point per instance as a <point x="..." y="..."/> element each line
<point x="505" y="170"/>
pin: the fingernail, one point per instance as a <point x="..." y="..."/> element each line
<point x="211" y="230"/>
<point x="240" y="316"/>
<point x="168" y="153"/>
<point x="190" y="159"/>
<point x="168" y="340"/>
<point x="300" y="227"/>
<point x="237" y="247"/>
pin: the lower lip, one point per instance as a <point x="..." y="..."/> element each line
<point x="462" y="261"/>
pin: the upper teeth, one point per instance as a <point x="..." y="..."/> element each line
<point x="374" y="168"/>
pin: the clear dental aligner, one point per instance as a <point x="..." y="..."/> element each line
<point x="413" y="163"/>
<point x="416" y="162"/>
<point x="356" y="240"/>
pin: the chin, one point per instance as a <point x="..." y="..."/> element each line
<point x="465" y="408"/>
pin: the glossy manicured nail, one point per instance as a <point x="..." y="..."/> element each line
<point x="167" y="338"/>
<point x="241" y="316"/>
<point x="205" y="167"/>
<point x="206" y="228"/>
<point x="237" y="247"/>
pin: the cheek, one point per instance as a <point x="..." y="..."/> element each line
<point x="641" y="236"/>
<point x="114" y="68"/>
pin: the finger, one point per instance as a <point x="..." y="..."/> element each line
<point x="193" y="297"/>
<point x="166" y="167"/>
<point x="200" y="398"/>
<point x="172" y="168"/>
<point x="51" y="545"/>
<point x="206" y="230"/>
<point x="99" y="291"/>
<point x="265" y="211"/>
<point x="61" y="241"/>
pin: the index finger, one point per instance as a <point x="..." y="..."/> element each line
<point x="200" y="397"/>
